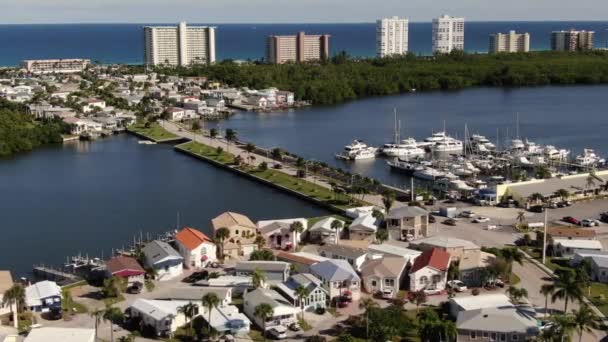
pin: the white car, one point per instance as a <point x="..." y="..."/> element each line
<point x="279" y="332"/>
<point x="467" y="213"/>
<point x="481" y="219"/>
<point x="457" y="285"/>
<point x="588" y="223"/>
<point x="430" y="292"/>
<point x="387" y="293"/>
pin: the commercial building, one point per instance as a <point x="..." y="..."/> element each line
<point x="391" y="36"/>
<point x="49" y="66"/>
<point x="179" y="45"/>
<point x="509" y="42"/>
<point x="572" y="40"/>
<point x="299" y="48"/>
<point x="448" y="34"/>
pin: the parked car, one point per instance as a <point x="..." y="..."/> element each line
<point x="294" y="327"/>
<point x="571" y="220"/>
<point x="481" y="219"/>
<point x="467" y="214"/>
<point x="432" y="219"/>
<point x="450" y="222"/>
<point x="457" y="285"/>
<point x="604" y="217"/>
<point x="430" y="292"/>
<point x="135" y="288"/>
<point x="552" y="205"/>
<point x="537" y="209"/>
<point x="588" y="223"/>
<point x="278" y="332"/>
<point x="388" y="294"/>
<point x="196" y="276"/>
<point x="277" y="166"/>
<point x="347" y="297"/>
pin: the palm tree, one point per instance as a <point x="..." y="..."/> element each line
<point x="546" y="290"/>
<point x="258" y="278"/>
<point x="585" y="320"/>
<point x="337" y="226"/>
<point x="112" y="314"/>
<point x="563" y="194"/>
<point x="260" y="241"/>
<point x="213" y="133"/>
<point x="516" y="295"/>
<point x="276" y="154"/>
<point x="419" y="298"/>
<point x="521" y="220"/>
<point x="381" y="235"/>
<point x="249" y="148"/>
<point x="563" y="326"/>
<point x="264" y="311"/>
<point x="296" y="228"/>
<point x="511" y="255"/>
<point x="210" y="301"/>
<point x="536" y="197"/>
<point x="230" y="137"/>
<point x="151" y="272"/>
<point x="565" y="286"/>
<point x="221" y="235"/>
<point x="302" y="293"/>
<point x="97" y="315"/>
<point x="14" y="295"/>
<point x="367" y="304"/>
<point x="388" y="198"/>
<point x="66" y="300"/>
<point x="189" y="310"/>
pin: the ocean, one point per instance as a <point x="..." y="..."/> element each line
<point x="123" y="43"/>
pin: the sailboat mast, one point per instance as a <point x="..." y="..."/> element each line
<point x="396" y="129"/>
<point x="517" y="126"/>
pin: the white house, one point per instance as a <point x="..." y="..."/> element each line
<point x="322" y="231"/>
<point x="90" y="105"/>
<point x="176" y="113"/>
<point x="274" y="271"/>
<point x="430" y="270"/>
<point x="197" y="249"/>
<point x="47" y="334"/>
<point x="43" y="296"/>
<point x="567" y="248"/>
<point x="353" y="255"/>
<point x="284" y="314"/>
<point x="384" y="274"/>
<point x="195" y="294"/>
<point x="227" y="320"/>
<point x="167" y="262"/>
<point x="363" y="228"/>
<point x="468" y="303"/>
<point x="317" y="295"/>
<point x="338" y="277"/>
<point x="162" y="315"/>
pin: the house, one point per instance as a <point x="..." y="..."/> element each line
<point x="284" y="313"/>
<point x="357" y="212"/>
<point x="317" y="295"/>
<point x="125" y="267"/>
<point x="238" y="284"/>
<point x="167" y="262"/>
<point x="91" y="105"/>
<point x="430" y="270"/>
<point x="468" y="303"/>
<point x="338" y="278"/>
<point x="354" y="256"/>
<point x="582" y="254"/>
<point x="176" y="113"/>
<point x="567" y="248"/>
<point x="363" y="228"/>
<point x="43" y="296"/>
<point x="571" y="233"/>
<point x="46" y="334"/>
<point x="6" y="282"/>
<point x="163" y="316"/>
<point x="301" y="261"/>
<point x="323" y="232"/>
<point x="384" y="273"/>
<point x="497" y="324"/>
<point x="197" y="249"/>
<point x="258" y="101"/>
<point x="285" y="98"/>
<point x="395" y="251"/>
<point x="599" y="268"/>
<point x="241" y="240"/>
<point x="472" y="268"/>
<point x="278" y="235"/>
<point x="274" y="271"/>
<point x="195" y="294"/>
<point x="227" y="320"/>
<point x="407" y="223"/>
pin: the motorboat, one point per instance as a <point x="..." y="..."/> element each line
<point x="555" y="154"/>
<point x="429" y="173"/>
<point x="589" y="158"/>
<point x="407" y="148"/>
<point x="405" y="166"/>
<point x="357" y="150"/>
<point x="481" y="143"/>
<point x="448" y="145"/>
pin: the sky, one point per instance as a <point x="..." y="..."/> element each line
<point x="291" y="11"/>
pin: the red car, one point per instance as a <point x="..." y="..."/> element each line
<point x="571" y="220"/>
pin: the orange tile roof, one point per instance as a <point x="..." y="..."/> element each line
<point x="557" y="232"/>
<point x="285" y="256"/>
<point x="191" y="238"/>
<point x="435" y="258"/>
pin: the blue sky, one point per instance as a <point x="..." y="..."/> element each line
<point x="287" y="11"/>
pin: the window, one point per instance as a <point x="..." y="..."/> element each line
<point x="374" y="283"/>
<point x="485" y="334"/>
<point x="503" y="337"/>
<point x="514" y="337"/>
<point x="389" y="282"/>
<point x="472" y="335"/>
<point x="493" y="337"/>
<point x="423" y="280"/>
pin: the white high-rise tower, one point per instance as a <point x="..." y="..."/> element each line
<point x="391" y="36"/>
<point x="448" y="34"/>
<point x="179" y="45"/>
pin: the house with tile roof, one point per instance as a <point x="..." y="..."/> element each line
<point x="338" y="277"/>
<point x="384" y="273"/>
<point x="197" y="249"/>
<point x="167" y="262"/>
<point x="241" y="240"/>
<point x="430" y="270"/>
<point x="300" y="260"/>
<point x="571" y="233"/>
<point x="125" y="267"/>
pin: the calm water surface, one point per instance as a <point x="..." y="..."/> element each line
<point x="92" y="197"/>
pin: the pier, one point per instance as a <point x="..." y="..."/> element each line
<point x="51" y="273"/>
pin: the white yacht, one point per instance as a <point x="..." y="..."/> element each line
<point x="553" y="153"/>
<point x="357" y="150"/>
<point x="407" y="148"/>
<point x="429" y="173"/>
<point x="441" y="142"/>
<point x="481" y="143"/>
<point x="589" y="158"/>
<point x="404" y="166"/>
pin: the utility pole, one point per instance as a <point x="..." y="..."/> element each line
<point x="412" y="189"/>
<point x="545" y="239"/>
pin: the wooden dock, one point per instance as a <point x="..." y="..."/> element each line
<point x="46" y="272"/>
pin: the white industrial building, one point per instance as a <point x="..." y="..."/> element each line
<point x="179" y="45"/>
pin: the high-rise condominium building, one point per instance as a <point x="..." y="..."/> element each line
<point x="572" y="40"/>
<point x="509" y="42"/>
<point x="448" y="34"/>
<point x="298" y="48"/>
<point x="179" y="45"/>
<point x="391" y="36"/>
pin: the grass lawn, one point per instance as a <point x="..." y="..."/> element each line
<point x="209" y="152"/>
<point x="599" y="296"/>
<point x="154" y="132"/>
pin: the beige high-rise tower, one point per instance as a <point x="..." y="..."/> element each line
<point x="297" y="49"/>
<point x="509" y="42"/>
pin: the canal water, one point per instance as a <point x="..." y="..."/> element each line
<point x="572" y="117"/>
<point x="92" y="197"/>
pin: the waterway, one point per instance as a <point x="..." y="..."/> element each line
<point x="92" y="197"/>
<point x="572" y="117"/>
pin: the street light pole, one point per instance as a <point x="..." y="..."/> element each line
<point x="545" y="239"/>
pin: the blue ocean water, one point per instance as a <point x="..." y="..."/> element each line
<point x="123" y="43"/>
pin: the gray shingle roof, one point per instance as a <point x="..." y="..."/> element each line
<point x="400" y="212"/>
<point x="158" y="251"/>
<point x="334" y="270"/>
<point x="508" y="319"/>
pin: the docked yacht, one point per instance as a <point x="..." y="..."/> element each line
<point x="554" y="154"/>
<point x="407" y="148"/>
<point x="357" y="150"/>
<point x="404" y="166"/>
<point x="589" y="158"/>
<point x="429" y="173"/>
<point x="441" y="142"/>
<point x="481" y="143"/>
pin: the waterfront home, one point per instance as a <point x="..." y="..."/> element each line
<point x="176" y="113"/>
<point x="107" y="122"/>
<point x="258" y="101"/>
<point x="389" y="250"/>
<point x="195" y="294"/>
<point x="355" y="256"/>
<point x="322" y="232"/>
<point x="300" y="261"/>
<point x="241" y="240"/>
<point x="317" y="295"/>
<point x="278" y="233"/>
<point x="571" y="233"/>
<point x="125" y="267"/>
<point x="407" y="223"/>
<point x="384" y="274"/>
<point x="77" y="126"/>
<point x="565" y="248"/>
<point x="338" y="277"/>
<point x="217" y="104"/>
<point x="91" y="105"/>
<point x="508" y="323"/>
<point x="274" y="271"/>
<point x="163" y="316"/>
<point x="226" y="319"/>
<point x="48" y="334"/>
<point x="165" y="260"/>
<point x="6" y="282"/>
<point x="469" y="303"/>
<point x="238" y="284"/>
<point x="363" y="228"/>
<point x="43" y="296"/>
<point x="197" y="249"/>
<point x="430" y="270"/>
<point x="284" y="313"/>
<point x="285" y="98"/>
